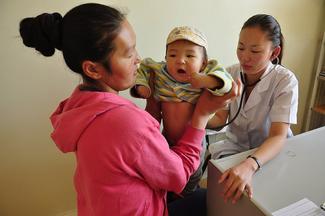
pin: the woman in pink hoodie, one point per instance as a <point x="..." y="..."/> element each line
<point x="124" y="164"/>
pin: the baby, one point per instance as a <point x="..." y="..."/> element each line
<point x="177" y="84"/>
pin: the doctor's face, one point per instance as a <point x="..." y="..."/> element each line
<point x="254" y="50"/>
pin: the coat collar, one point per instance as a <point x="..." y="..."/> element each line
<point x="255" y="97"/>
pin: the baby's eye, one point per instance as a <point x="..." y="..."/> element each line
<point x="240" y="48"/>
<point x="256" y="51"/>
<point x="190" y="56"/>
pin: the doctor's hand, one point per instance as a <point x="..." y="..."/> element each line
<point x="236" y="180"/>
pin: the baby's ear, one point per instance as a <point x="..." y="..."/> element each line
<point x="204" y="64"/>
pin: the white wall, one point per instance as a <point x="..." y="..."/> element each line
<point x="35" y="178"/>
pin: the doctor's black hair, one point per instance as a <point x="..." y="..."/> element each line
<point x="86" y="32"/>
<point x="269" y="25"/>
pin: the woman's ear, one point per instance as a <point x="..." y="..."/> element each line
<point x="91" y="70"/>
<point x="275" y="53"/>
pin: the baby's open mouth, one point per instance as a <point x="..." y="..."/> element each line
<point x="181" y="71"/>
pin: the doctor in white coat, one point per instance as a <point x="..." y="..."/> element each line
<point x="269" y="104"/>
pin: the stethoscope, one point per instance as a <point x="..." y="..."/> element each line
<point x="243" y="79"/>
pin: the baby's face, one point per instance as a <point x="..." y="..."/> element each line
<point x="184" y="58"/>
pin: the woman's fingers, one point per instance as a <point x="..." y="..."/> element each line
<point x="223" y="176"/>
<point x="229" y="184"/>
<point x="239" y="192"/>
<point x="234" y="185"/>
<point x="249" y="191"/>
<point x="235" y="191"/>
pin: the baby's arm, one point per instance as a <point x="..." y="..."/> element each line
<point x="214" y="78"/>
<point x="145" y="86"/>
<point x="153" y="107"/>
<point x="141" y="89"/>
<point x="202" y="80"/>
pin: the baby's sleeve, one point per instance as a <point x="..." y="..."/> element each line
<point x="216" y="70"/>
<point x="143" y="75"/>
<point x="143" y="72"/>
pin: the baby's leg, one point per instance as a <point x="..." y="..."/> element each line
<point x="194" y="180"/>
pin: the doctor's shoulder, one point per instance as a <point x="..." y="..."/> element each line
<point x="234" y="70"/>
<point x="284" y="73"/>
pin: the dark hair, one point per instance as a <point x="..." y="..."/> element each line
<point x="271" y="27"/>
<point x="86" y="32"/>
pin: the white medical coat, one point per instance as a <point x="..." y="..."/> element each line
<point x="273" y="99"/>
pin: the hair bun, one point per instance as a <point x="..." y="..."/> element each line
<point x="42" y="32"/>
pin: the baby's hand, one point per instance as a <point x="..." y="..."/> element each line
<point x="143" y="91"/>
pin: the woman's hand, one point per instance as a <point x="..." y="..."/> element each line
<point x="238" y="179"/>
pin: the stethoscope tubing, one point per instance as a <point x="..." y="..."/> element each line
<point x="243" y="80"/>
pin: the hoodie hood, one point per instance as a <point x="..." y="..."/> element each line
<point x="74" y="114"/>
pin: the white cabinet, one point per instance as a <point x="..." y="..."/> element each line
<point x="316" y="111"/>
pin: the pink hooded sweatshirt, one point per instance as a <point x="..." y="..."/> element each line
<point x="124" y="164"/>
